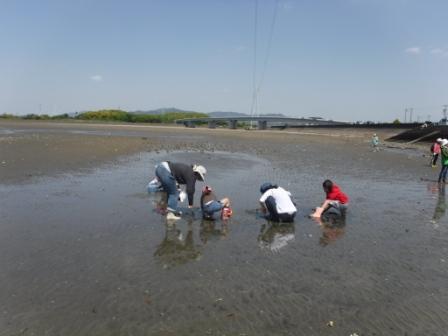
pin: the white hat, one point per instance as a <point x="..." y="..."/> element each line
<point x="439" y="140"/>
<point x="200" y="170"/>
<point x="444" y="142"/>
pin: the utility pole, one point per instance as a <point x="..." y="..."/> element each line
<point x="405" y="115"/>
<point x="411" y="110"/>
<point x="445" y="110"/>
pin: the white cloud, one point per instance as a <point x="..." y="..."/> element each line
<point x="439" y="52"/>
<point x="287" y="5"/>
<point x="436" y="51"/>
<point x="96" y="78"/>
<point x="413" y="50"/>
<point x="239" y="48"/>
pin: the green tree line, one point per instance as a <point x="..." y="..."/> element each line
<point x="113" y="115"/>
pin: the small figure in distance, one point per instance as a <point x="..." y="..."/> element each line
<point x="375" y="143"/>
<point x="444" y="160"/>
<point x="435" y="151"/>
<point x="336" y="201"/>
<point x="210" y="205"/>
<point x="276" y="203"/>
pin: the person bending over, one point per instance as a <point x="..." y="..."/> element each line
<point x="276" y="203"/>
<point x="336" y="201"/>
<point x="168" y="173"/>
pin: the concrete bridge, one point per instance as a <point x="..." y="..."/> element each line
<point x="262" y="122"/>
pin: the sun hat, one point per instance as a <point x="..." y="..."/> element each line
<point x="200" y="170"/>
<point x="439" y="140"/>
<point x="266" y="186"/>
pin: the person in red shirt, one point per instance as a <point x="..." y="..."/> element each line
<point x="336" y="201"/>
<point x="435" y="151"/>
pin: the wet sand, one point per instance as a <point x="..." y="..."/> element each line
<point x="83" y="249"/>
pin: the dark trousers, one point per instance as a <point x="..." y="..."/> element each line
<point x="273" y="215"/>
<point x="434" y="159"/>
<point x="442" y="175"/>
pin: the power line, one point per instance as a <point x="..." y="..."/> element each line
<point x="269" y="46"/>
<point x="257" y="87"/>
<point x="254" y="74"/>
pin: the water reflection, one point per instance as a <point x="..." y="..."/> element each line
<point x="275" y="236"/>
<point x="213" y="230"/>
<point x="333" y="228"/>
<point x="159" y="202"/>
<point x="440" y="209"/>
<point x="178" y="247"/>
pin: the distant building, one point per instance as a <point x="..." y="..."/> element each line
<point x="443" y="122"/>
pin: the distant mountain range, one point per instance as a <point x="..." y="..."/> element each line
<point x="217" y="114"/>
<point x="162" y="110"/>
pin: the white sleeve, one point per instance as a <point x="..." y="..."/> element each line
<point x="265" y="196"/>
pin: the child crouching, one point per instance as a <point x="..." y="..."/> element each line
<point x="210" y="204"/>
<point x="336" y="202"/>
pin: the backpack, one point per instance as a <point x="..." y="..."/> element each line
<point x="432" y="148"/>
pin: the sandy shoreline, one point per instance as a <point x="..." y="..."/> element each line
<point x="34" y="149"/>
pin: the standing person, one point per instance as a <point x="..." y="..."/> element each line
<point x="444" y="160"/>
<point x="435" y="150"/>
<point x="210" y="204"/>
<point x="276" y="203"/>
<point x="335" y="200"/>
<point x="168" y="173"/>
<point x="375" y="142"/>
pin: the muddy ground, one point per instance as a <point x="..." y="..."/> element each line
<point x="85" y="250"/>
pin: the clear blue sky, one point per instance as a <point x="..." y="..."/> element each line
<point x="340" y="59"/>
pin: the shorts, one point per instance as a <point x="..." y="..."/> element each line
<point x="336" y="208"/>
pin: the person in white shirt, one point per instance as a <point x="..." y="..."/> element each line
<point x="277" y="204"/>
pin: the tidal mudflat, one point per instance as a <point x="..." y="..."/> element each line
<point x="85" y="251"/>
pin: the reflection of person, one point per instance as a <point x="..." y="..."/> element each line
<point x="333" y="228"/>
<point x="210" y="204"/>
<point x="210" y="231"/>
<point x="336" y="201"/>
<point x="168" y="173"/>
<point x="440" y="209"/>
<point x="277" y="204"/>
<point x="444" y="160"/>
<point x="159" y="203"/>
<point x="275" y="236"/>
<point x="175" y="249"/>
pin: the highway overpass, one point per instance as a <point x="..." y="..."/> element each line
<point x="262" y="122"/>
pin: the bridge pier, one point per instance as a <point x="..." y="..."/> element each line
<point x="262" y="124"/>
<point x="232" y="124"/>
<point x="212" y="124"/>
